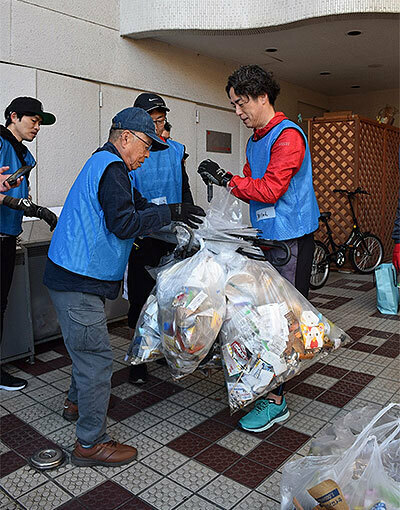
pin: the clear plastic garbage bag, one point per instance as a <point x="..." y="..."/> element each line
<point x="191" y="298"/>
<point x="146" y="343"/>
<point x="223" y="213"/>
<point x="359" y="471"/>
<point x="344" y="431"/>
<point x="271" y="332"/>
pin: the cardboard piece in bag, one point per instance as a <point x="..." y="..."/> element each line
<point x="329" y="496"/>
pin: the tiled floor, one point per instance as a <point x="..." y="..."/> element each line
<point x="191" y="454"/>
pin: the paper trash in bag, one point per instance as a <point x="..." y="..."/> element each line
<point x="146" y="342"/>
<point x="192" y="307"/>
<point x="271" y="332"/>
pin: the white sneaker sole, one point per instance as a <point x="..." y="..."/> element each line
<point x="284" y="417"/>
<point x="13" y="388"/>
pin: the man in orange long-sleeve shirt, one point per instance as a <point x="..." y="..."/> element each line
<point x="277" y="184"/>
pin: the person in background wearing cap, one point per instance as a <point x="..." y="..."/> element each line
<point x="166" y="134"/>
<point x="24" y="116"/>
<point x="162" y="179"/>
<point x="278" y="185"/>
<point x="102" y="215"/>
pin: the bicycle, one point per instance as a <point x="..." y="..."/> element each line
<point x="365" y="248"/>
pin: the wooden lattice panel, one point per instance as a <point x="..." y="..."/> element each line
<point x="370" y="170"/>
<point x="351" y="151"/>
<point x="334" y="158"/>
<point x="391" y="188"/>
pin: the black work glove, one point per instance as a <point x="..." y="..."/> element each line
<point x="187" y="213"/>
<point x="211" y="173"/>
<point x="31" y="209"/>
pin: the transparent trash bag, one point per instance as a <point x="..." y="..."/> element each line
<point x="146" y="343"/>
<point x="191" y="301"/>
<point x="224" y="213"/>
<point x="271" y="332"/>
<point x="359" y="471"/>
<point x="343" y="431"/>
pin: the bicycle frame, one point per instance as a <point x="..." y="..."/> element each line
<point x="348" y="244"/>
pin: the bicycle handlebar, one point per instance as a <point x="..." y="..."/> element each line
<point x="355" y="192"/>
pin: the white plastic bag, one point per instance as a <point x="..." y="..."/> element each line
<point x="192" y="308"/>
<point x="343" y="432"/>
<point x="359" y="471"/>
<point x="146" y="342"/>
<point x="271" y="332"/>
<point x="224" y="213"/>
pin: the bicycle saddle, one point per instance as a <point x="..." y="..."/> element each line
<point x="325" y="215"/>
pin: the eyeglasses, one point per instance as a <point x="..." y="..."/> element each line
<point x="160" y="121"/>
<point x="147" y="144"/>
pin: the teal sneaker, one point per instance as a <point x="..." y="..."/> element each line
<point x="265" y="414"/>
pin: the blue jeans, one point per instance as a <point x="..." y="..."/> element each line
<point x="84" y="328"/>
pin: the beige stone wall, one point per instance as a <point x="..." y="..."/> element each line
<point x="292" y="94"/>
<point x="71" y="56"/>
<point x="64" y="40"/>
<point x="368" y="104"/>
<point x="68" y="53"/>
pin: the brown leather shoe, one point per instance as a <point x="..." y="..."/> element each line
<point x="70" y="412"/>
<point x="103" y="454"/>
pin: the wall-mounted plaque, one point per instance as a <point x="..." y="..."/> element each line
<point x="218" y="142"/>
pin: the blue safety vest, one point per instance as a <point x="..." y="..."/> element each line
<point x="10" y="219"/>
<point x="296" y="213"/>
<point x="159" y="179"/>
<point x="81" y="242"/>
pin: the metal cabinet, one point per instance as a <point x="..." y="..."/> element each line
<point x="18" y="334"/>
<point x="44" y="318"/>
<point x="30" y="317"/>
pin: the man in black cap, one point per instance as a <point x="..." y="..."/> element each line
<point x="101" y="217"/>
<point x="162" y="179"/>
<point x="24" y="116"/>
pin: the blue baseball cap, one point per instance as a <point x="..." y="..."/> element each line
<point x="136" y="119"/>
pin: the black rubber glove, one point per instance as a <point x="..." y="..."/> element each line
<point x="187" y="213"/>
<point x="31" y="209"/>
<point x="211" y="173"/>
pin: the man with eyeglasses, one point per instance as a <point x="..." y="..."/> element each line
<point x="102" y="216"/>
<point x="277" y="184"/>
<point x="162" y="179"/>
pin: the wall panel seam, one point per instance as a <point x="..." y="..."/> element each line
<point x="67" y="15"/>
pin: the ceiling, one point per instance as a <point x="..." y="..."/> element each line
<point x="305" y="49"/>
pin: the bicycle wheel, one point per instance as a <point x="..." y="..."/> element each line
<point x="367" y="253"/>
<point x="320" y="266"/>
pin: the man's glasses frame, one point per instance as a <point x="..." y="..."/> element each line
<point x="160" y="121"/>
<point x="147" y="144"/>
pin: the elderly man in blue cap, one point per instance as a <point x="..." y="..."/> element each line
<point x="102" y="216"/>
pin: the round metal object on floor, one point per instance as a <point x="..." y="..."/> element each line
<point x="48" y="458"/>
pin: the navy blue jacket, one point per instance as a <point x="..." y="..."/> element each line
<point x="116" y="201"/>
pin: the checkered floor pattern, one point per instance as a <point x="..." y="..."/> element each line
<point x="192" y="455"/>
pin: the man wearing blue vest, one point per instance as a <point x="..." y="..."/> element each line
<point x="277" y="184"/>
<point x="24" y="116"/>
<point x="162" y="179"/>
<point x="102" y="216"/>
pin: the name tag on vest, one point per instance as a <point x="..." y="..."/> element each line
<point x="266" y="213"/>
<point x="159" y="200"/>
